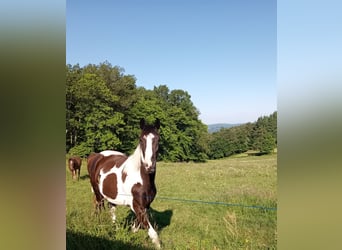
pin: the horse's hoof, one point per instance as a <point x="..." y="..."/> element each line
<point x="135" y="230"/>
<point x="156" y="243"/>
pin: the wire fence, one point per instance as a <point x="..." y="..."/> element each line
<point x="205" y="202"/>
<point x="216" y="203"/>
<point x="208" y="202"/>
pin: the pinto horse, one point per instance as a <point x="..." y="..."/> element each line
<point x="74" y="164"/>
<point x="128" y="180"/>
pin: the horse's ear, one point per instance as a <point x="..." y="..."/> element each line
<point x="157" y="124"/>
<point x="142" y="123"/>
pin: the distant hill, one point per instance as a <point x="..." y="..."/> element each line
<point x="217" y="126"/>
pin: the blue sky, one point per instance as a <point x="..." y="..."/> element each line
<point x="224" y="53"/>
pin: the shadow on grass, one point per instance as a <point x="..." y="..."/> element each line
<point x="161" y="219"/>
<point x="83" y="241"/>
<point x="85" y="177"/>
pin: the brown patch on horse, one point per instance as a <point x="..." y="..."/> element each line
<point x="110" y="186"/>
<point x="123" y="176"/>
<point x="93" y="167"/>
<point x="112" y="160"/>
<point x="92" y="160"/>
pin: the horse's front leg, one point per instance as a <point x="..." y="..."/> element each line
<point x="138" y="220"/>
<point x="153" y="234"/>
<point x="142" y="220"/>
<point x="112" y="211"/>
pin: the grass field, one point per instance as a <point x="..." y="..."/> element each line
<point x="183" y="224"/>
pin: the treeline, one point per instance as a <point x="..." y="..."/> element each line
<point x="104" y="106"/>
<point x="260" y="136"/>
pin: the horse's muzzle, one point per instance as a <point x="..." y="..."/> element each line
<point x="150" y="169"/>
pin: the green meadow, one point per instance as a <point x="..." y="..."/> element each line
<point x="220" y="204"/>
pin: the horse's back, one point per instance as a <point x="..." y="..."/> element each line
<point x="108" y="162"/>
<point x="111" y="152"/>
<point x="98" y="162"/>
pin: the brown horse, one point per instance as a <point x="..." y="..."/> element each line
<point x="128" y="180"/>
<point x="75" y="163"/>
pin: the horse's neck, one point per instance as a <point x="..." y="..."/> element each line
<point x="134" y="161"/>
<point x="133" y="164"/>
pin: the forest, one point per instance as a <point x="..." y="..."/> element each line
<point x="104" y="107"/>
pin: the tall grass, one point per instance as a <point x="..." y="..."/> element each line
<point x="241" y="181"/>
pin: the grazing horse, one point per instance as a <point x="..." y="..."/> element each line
<point x="75" y="163"/>
<point x="128" y="180"/>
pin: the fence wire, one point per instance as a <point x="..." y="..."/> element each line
<point x="216" y="203"/>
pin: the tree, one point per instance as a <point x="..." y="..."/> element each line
<point x="260" y="136"/>
<point x="268" y="143"/>
<point x="218" y="147"/>
<point x="265" y="132"/>
<point x="91" y="120"/>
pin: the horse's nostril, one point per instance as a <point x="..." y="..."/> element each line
<point x="151" y="169"/>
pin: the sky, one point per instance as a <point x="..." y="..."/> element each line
<point x="222" y="52"/>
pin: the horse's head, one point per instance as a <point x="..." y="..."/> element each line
<point x="149" y="139"/>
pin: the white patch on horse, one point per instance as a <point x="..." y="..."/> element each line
<point x="132" y="164"/>
<point x="148" y="150"/>
<point x="111" y="152"/>
<point x="153" y="235"/>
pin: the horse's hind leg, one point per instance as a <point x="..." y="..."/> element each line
<point x="98" y="204"/>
